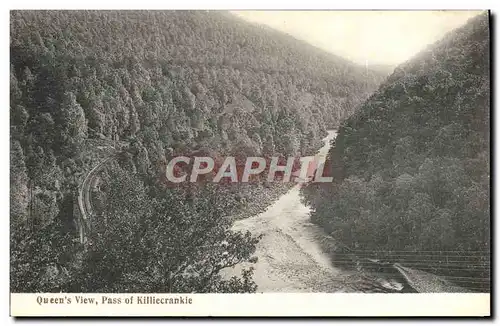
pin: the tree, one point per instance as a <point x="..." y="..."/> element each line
<point x="18" y="185"/>
<point x="163" y="247"/>
<point x="74" y="124"/>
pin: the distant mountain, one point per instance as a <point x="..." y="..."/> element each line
<point x="170" y="79"/>
<point x="382" y="69"/>
<point x="412" y="165"/>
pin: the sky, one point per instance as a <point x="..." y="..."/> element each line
<point x="365" y="37"/>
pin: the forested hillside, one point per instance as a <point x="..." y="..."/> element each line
<point x="153" y="85"/>
<point x="412" y="166"/>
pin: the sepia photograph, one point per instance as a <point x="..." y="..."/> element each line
<point x="160" y="155"/>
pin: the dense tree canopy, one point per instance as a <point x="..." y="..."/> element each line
<point x="412" y="165"/>
<point x="156" y="84"/>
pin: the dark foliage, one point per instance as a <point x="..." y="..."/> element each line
<point x="412" y="165"/>
<point x="153" y="85"/>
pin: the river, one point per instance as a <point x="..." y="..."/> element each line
<point x="291" y="254"/>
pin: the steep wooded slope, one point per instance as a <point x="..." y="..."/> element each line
<point x="412" y="165"/>
<point x="161" y="83"/>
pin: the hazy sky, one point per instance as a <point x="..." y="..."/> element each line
<point x="378" y="37"/>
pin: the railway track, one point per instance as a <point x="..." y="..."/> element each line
<point x="84" y="203"/>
